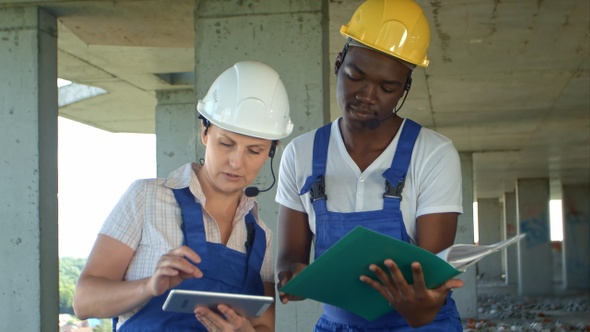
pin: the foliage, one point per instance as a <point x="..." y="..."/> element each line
<point x="69" y="270"/>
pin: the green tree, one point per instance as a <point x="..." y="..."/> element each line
<point x="69" y="270"/>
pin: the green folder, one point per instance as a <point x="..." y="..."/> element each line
<point x="333" y="278"/>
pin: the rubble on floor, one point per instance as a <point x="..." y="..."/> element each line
<point x="507" y="312"/>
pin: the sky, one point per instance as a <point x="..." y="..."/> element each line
<point x="95" y="167"/>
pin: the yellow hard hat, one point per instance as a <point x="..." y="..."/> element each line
<point x="395" y="27"/>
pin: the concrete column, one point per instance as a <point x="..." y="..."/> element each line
<point x="176" y="134"/>
<point x="466" y="297"/>
<point x="576" y="236"/>
<point x="510" y="254"/>
<point x="28" y="170"/>
<point x="535" y="262"/>
<point x="490" y="222"/>
<point x="292" y="37"/>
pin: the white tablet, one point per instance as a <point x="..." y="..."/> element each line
<point x="185" y="301"/>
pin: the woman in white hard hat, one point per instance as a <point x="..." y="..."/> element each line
<point x="197" y="229"/>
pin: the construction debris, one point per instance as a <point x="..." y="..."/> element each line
<point x="507" y="312"/>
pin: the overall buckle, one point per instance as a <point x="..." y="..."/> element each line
<point x="318" y="190"/>
<point x="394" y="191"/>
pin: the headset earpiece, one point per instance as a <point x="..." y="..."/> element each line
<point x="408" y="84"/>
<point x="407" y="87"/>
<point x="338" y="63"/>
<point x="273" y="149"/>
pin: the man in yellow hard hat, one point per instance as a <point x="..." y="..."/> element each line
<point x="326" y="191"/>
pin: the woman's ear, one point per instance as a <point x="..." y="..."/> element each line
<point x="204" y="136"/>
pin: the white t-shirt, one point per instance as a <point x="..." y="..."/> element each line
<point x="148" y="220"/>
<point x="433" y="181"/>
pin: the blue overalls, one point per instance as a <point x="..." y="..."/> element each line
<point x="224" y="270"/>
<point x="331" y="226"/>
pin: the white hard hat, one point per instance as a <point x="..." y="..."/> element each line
<point x="250" y="99"/>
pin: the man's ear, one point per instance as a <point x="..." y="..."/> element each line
<point x="337" y="63"/>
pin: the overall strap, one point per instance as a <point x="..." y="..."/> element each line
<point x="191" y="215"/>
<point x="315" y="184"/>
<point x="395" y="176"/>
<point x="255" y="241"/>
<point x="319" y="161"/>
<point x="192" y="212"/>
<point x="255" y="250"/>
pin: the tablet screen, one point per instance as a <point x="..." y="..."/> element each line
<point x="184" y="301"/>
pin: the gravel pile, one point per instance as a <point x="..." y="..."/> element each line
<point x="506" y="312"/>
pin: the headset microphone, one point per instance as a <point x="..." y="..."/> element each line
<point x="254" y="191"/>
<point x="374" y="123"/>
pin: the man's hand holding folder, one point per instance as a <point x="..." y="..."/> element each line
<point x="284" y="278"/>
<point x="409" y="299"/>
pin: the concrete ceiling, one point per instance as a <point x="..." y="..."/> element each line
<point x="508" y="81"/>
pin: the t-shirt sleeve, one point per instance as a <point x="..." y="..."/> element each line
<point x="287" y="189"/>
<point x="125" y="222"/>
<point x="440" y="185"/>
